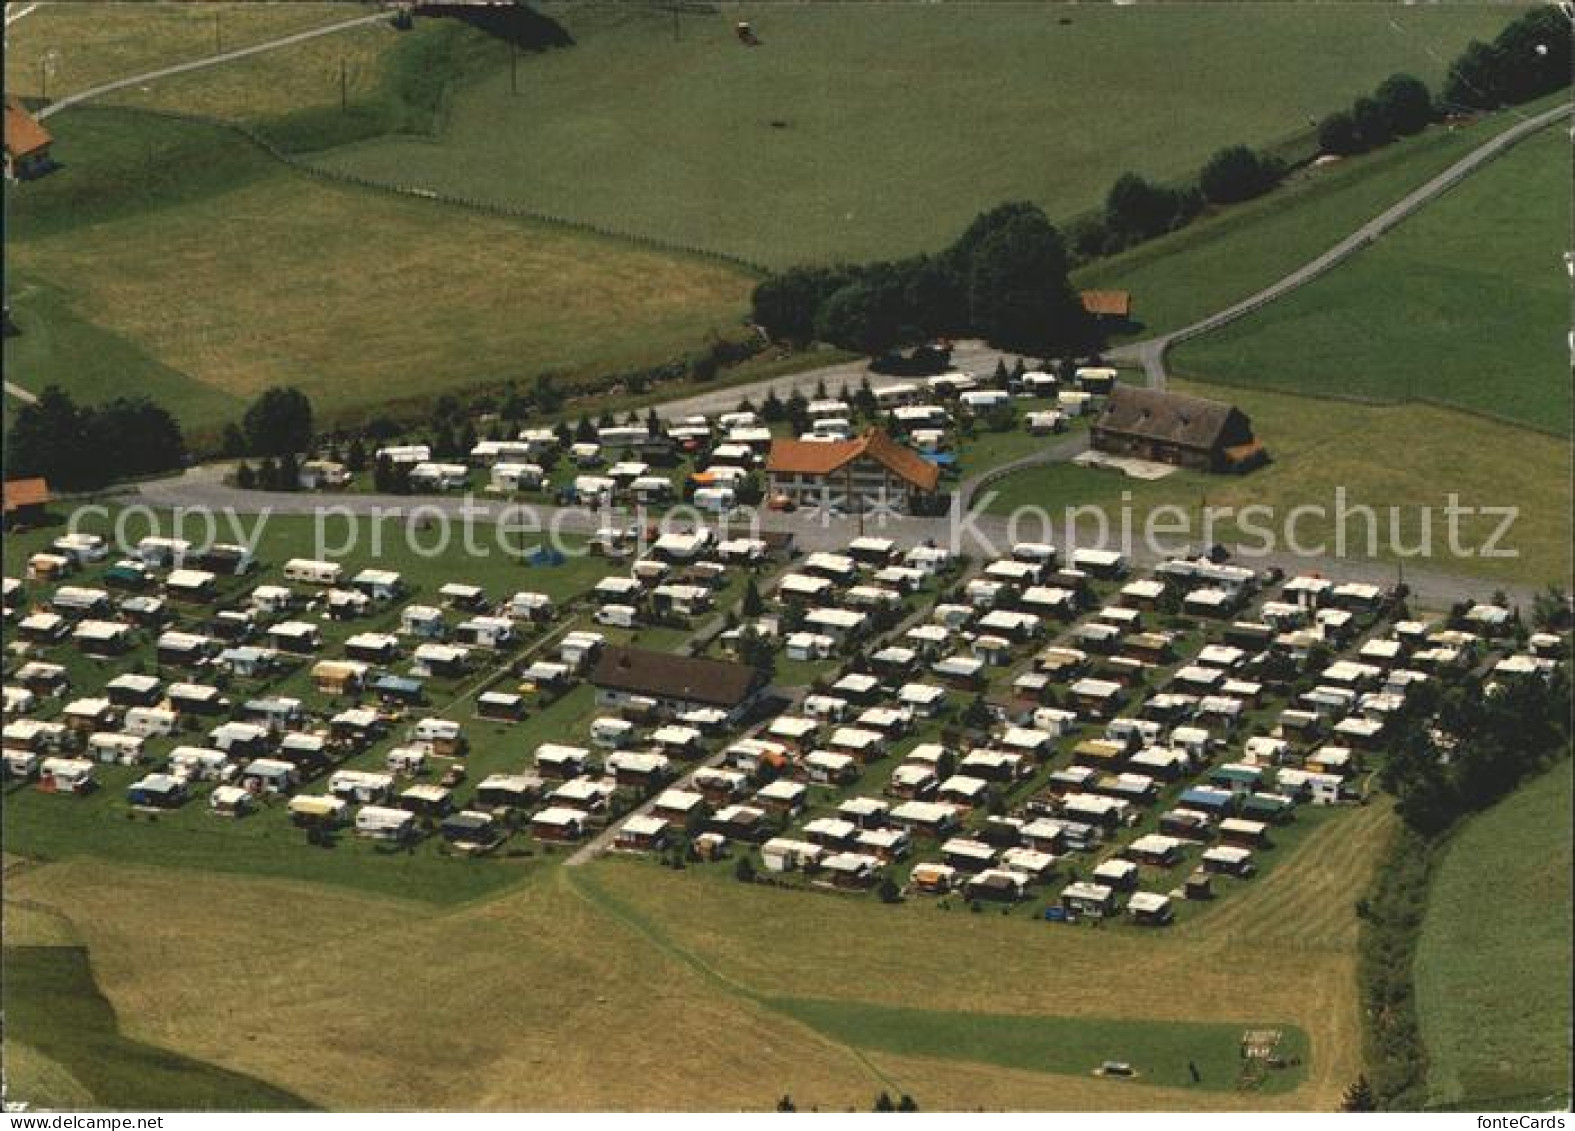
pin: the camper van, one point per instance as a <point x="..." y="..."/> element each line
<point x="617" y="616"/>
<point x="379" y="823"/>
<point x="66" y="775"/>
<point x="719" y="500"/>
<point x="312" y="572"/>
<point x="149" y="722"/>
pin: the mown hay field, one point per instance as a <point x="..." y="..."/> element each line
<point x="246" y="275"/>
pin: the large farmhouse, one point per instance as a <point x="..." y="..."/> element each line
<point x="871" y="472"/>
<point x="1168" y="427"/>
<point x="627" y="677"/>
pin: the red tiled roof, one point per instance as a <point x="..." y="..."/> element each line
<point x="1113" y="304"/>
<point x="25" y="493"/>
<point x="807" y="457"/>
<point x="23" y="134"/>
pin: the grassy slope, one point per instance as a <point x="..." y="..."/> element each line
<point x="292" y="290"/>
<point x="898" y="122"/>
<point x="51" y="997"/>
<point x="97" y="42"/>
<point x="1226" y="256"/>
<point x="961" y="966"/>
<point x="1465" y="303"/>
<point x="1493" y="968"/>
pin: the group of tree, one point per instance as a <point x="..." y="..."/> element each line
<point x="1005" y="280"/>
<point x="1138" y="209"/>
<point x="80" y="447"/>
<point x="1529" y="58"/>
<point x="1401" y="106"/>
<point x="272" y="473"/>
<point x="1460" y="749"/>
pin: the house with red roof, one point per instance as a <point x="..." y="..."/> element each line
<point x="872" y="472"/>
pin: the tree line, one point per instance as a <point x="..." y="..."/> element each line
<point x="1528" y="59"/>
<point x="82" y="447"/>
<point x="1004" y="280"/>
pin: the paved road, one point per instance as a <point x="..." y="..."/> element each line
<point x="980" y="535"/>
<point x="1151" y="353"/>
<point x="208" y="61"/>
<point x="20" y="393"/>
<point x="973" y="356"/>
<point x="14" y="12"/>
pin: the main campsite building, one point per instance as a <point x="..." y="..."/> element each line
<point x="872" y="472"/>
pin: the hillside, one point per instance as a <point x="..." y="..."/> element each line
<point x="1465" y="303"/>
<point x="857" y="131"/>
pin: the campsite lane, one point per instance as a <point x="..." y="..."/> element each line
<point x="974" y="533"/>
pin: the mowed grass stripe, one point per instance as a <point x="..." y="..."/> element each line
<point x="1492" y="968"/>
<point x="1160" y="1052"/>
<point x="1466" y="303"/>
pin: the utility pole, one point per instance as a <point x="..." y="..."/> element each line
<point x="344" y="87"/>
<point x="218" y="38"/>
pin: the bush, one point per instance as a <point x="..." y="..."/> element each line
<point x="1237" y="173"/>
<point x="1406" y="104"/>
<point x="1338" y="134"/>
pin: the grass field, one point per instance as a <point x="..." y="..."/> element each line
<point x="858" y="131"/>
<point x="95" y="43"/>
<point x="1466" y="303"/>
<point x="76" y="1049"/>
<point x="638" y="987"/>
<point x="1493" y="966"/>
<point x="293" y="291"/>
<point x="1321" y="445"/>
